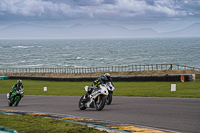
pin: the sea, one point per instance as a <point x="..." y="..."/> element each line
<point x="83" y="53"/>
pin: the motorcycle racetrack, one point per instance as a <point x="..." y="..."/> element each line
<point x="165" y="114"/>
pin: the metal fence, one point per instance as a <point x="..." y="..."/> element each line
<point x="148" y="67"/>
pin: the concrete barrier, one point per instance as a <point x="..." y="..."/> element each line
<point x="158" y="78"/>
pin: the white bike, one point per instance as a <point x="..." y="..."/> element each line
<point x="110" y="89"/>
<point x="96" y="99"/>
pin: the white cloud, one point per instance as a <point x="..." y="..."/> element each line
<point x="116" y="9"/>
<point x="191" y="13"/>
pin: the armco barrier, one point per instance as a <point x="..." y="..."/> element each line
<point x="169" y="78"/>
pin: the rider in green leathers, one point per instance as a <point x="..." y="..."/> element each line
<point x="19" y="84"/>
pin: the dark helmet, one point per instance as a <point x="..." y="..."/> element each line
<point x="107" y="75"/>
<point x="103" y="79"/>
<point x="19" y="82"/>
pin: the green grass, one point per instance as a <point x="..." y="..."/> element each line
<point x="34" y="87"/>
<point x="30" y="124"/>
<point x="33" y="124"/>
<point x="145" y="89"/>
<point x="159" y="89"/>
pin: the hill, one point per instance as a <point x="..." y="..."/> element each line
<point x="190" y="31"/>
<point x="102" y="30"/>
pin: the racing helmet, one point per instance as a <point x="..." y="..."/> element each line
<point x="107" y="75"/>
<point x="19" y="82"/>
<point x="103" y="79"/>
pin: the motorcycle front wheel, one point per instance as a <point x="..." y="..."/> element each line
<point x="17" y="101"/>
<point x="81" y="104"/>
<point x="100" y="102"/>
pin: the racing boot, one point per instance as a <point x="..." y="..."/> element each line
<point x="8" y="96"/>
<point x="85" y="97"/>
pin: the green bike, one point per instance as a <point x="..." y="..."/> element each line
<point x="15" y="97"/>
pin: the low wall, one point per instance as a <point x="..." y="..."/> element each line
<point x="187" y="78"/>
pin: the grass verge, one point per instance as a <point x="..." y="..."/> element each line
<point x="145" y="89"/>
<point x="34" y="124"/>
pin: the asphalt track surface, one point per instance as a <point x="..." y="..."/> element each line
<point x="173" y="114"/>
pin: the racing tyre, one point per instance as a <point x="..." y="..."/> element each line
<point x="17" y="101"/>
<point x="100" y="102"/>
<point x="109" y="99"/>
<point x="10" y="103"/>
<point x="81" y="104"/>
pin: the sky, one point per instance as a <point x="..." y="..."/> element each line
<point x="160" y="15"/>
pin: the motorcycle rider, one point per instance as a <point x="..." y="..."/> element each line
<point x="101" y="80"/>
<point x="109" y="78"/>
<point x="19" y="84"/>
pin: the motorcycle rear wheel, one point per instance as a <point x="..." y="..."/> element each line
<point x="100" y="103"/>
<point x="81" y="104"/>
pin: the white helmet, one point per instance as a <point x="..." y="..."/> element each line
<point x="19" y="82"/>
<point x="107" y="75"/>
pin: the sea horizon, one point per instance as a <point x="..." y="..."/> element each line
<point x="102" y="52"/>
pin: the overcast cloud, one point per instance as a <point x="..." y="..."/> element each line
<point x="124" y="12"/>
